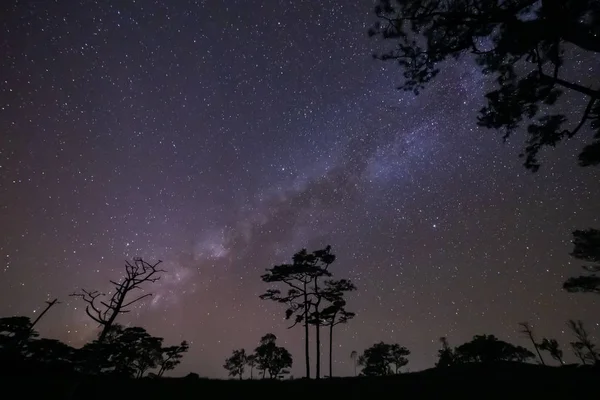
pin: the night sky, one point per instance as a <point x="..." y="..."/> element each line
<point x="222" y="137"/>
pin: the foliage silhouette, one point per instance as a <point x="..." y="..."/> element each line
<point x="128" y="352"/>
<point x="306" y="295"/>
<point x="527" y="330"/>
<point x="378" y="359"/>
<point x="272" y="358"/>
<point x="552" y="347"/>
<point x="489" y="349"/>
<point x="446" y="356"/>
<point x="251" y="362"/>
<point x="335" y="313"/>
<point x="236" y="364"/>
<point x="106" y="312"/>
<point x="583" y="348"/>
<point x="524" y="44"/>
<point x="586" y="248"/>
<point x="171" y="357"/>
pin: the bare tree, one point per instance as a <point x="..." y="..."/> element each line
<point x="583" y="338"/>
<point x="48" y="307"/>
<point x="528" y="331"/>
<point x="105" y="312"/>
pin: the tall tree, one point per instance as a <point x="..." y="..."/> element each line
<point x="552" y="347"/>
<point x="586" y="248"/>
<point x="272" y="358"/>
<point x="171" y="357"/>
<point x="528" y="332"/>
<point x="584" y="341"/>
<point x="321" y="259"/>
<point x="524" y="44"/>
<point x="336" y="313"/>
<point x="105" y="312"/>
<point x="301" y="279"/>
<point x="236" y="364"/>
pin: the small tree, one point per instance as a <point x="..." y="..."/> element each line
<point x="171" y="357"/>
<point x="105" y="312"/>
<point x="446" y="356"/>
<point x="552" y="347"/>
<point x="398" y="356"/>
<point x="272" y="358"/>
<point x="375" y="360"/>
<point x="236" y="363"/>
<point x="580" y="352"/>
<point x="586" y="248"/>
<point x="584" y="340"/>
<point x="528" y="332"/>
<point x="251" y="362"/>
<point x="489" y="349"/>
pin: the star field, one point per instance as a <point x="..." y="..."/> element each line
<point x="222" y="137"/>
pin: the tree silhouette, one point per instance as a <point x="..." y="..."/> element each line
<point x="584" y="344"/>
<point x="552" y="347"/>
<point x="335" y="314"/>
<point x="236" y="364"/>
<point x="129" y="352"/>
<point x="488" y="349"/>
<point x="528" y="332"/>
<point x="378" y="359"/>
<point x="354" y="358"/>
<point x="398" y="356"/>
<point x="251" y="362"/>
<point x="105" y="312"/>
<point x="586" y="248"/>
<point x="521" y="42"/>
<point x="49" y="305"/>
<point x="272" y="358"/>
<point x="580" y="352"/>
<point x="303" y="297"/>
<point x="446" y="357"/>
<point x="171" y="357"/>
<point x="52" y="354"/>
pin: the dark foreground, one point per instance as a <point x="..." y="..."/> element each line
<point x="472" y="381"/>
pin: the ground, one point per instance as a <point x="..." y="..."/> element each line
<point x="475" y="381"/>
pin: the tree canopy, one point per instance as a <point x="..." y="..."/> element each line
<point x="524" y="44"/>
<point x="586" y="248"/>
<point x="379" y="359"/>
<point x="488" y="349"/>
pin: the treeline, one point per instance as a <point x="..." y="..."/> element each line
<point x="121" y="351"/>
<point x="312" y="298"/>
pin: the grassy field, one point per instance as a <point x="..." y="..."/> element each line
<point x="470" y="381"/>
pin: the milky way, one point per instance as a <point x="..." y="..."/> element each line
<point x="222" y="137"/>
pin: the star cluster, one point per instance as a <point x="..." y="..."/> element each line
<point x="222" y="137"/>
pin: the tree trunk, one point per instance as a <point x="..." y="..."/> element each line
<point x="306" y="331"/>
<point x="331" y="351"/>
<point x="251" y="370"/>
<point x="318" y="341"/>
<point x="317" y="332"/>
